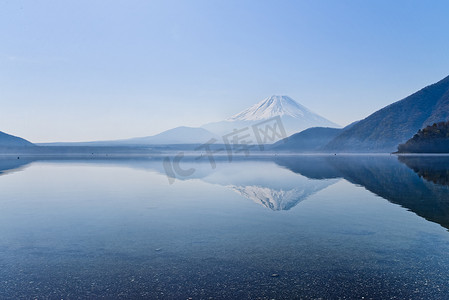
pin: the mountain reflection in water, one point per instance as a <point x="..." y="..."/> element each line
<point x="418" y="183"/>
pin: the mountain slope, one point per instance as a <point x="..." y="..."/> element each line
<point x="7" y="140"/>
<point x="385" y="129"/>
<point x="294" y="116"/>
<point x="178" y="135"/>
<point x="276" y="106"/>
<point x="309" y="140"/>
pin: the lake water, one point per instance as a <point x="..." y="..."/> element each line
<point x="254" y="228"/>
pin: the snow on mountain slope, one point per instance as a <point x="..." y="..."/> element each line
<point x="294" y="116"/>
<point x="271" y="107"/>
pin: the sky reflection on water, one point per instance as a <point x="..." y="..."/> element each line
<point x="311" y="226"/>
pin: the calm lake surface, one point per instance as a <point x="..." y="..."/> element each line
<point x="256" y="228"/>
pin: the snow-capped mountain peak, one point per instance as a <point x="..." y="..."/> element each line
<point x="294" y="116"/>
<point x="271" y="107"/>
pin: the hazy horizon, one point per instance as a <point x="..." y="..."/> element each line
<point x="83" y="71"/>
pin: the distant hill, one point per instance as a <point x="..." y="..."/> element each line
<point x="432" y="139"/>
<point x="385" y="129"/>
<point x="7" y="140"/>
<point x="176" y="136"/>
<point x="309" y="140"/>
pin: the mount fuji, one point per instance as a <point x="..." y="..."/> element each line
<point x="294" y="116"/>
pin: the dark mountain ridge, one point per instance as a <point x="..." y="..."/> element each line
<point x="394" y="124"/>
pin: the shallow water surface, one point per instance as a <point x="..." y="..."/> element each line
<point x="260" y="228"/>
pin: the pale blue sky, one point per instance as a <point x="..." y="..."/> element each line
<point x="90" y="70"/>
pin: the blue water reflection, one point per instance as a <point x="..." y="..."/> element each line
<point x="280" y="227"/>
